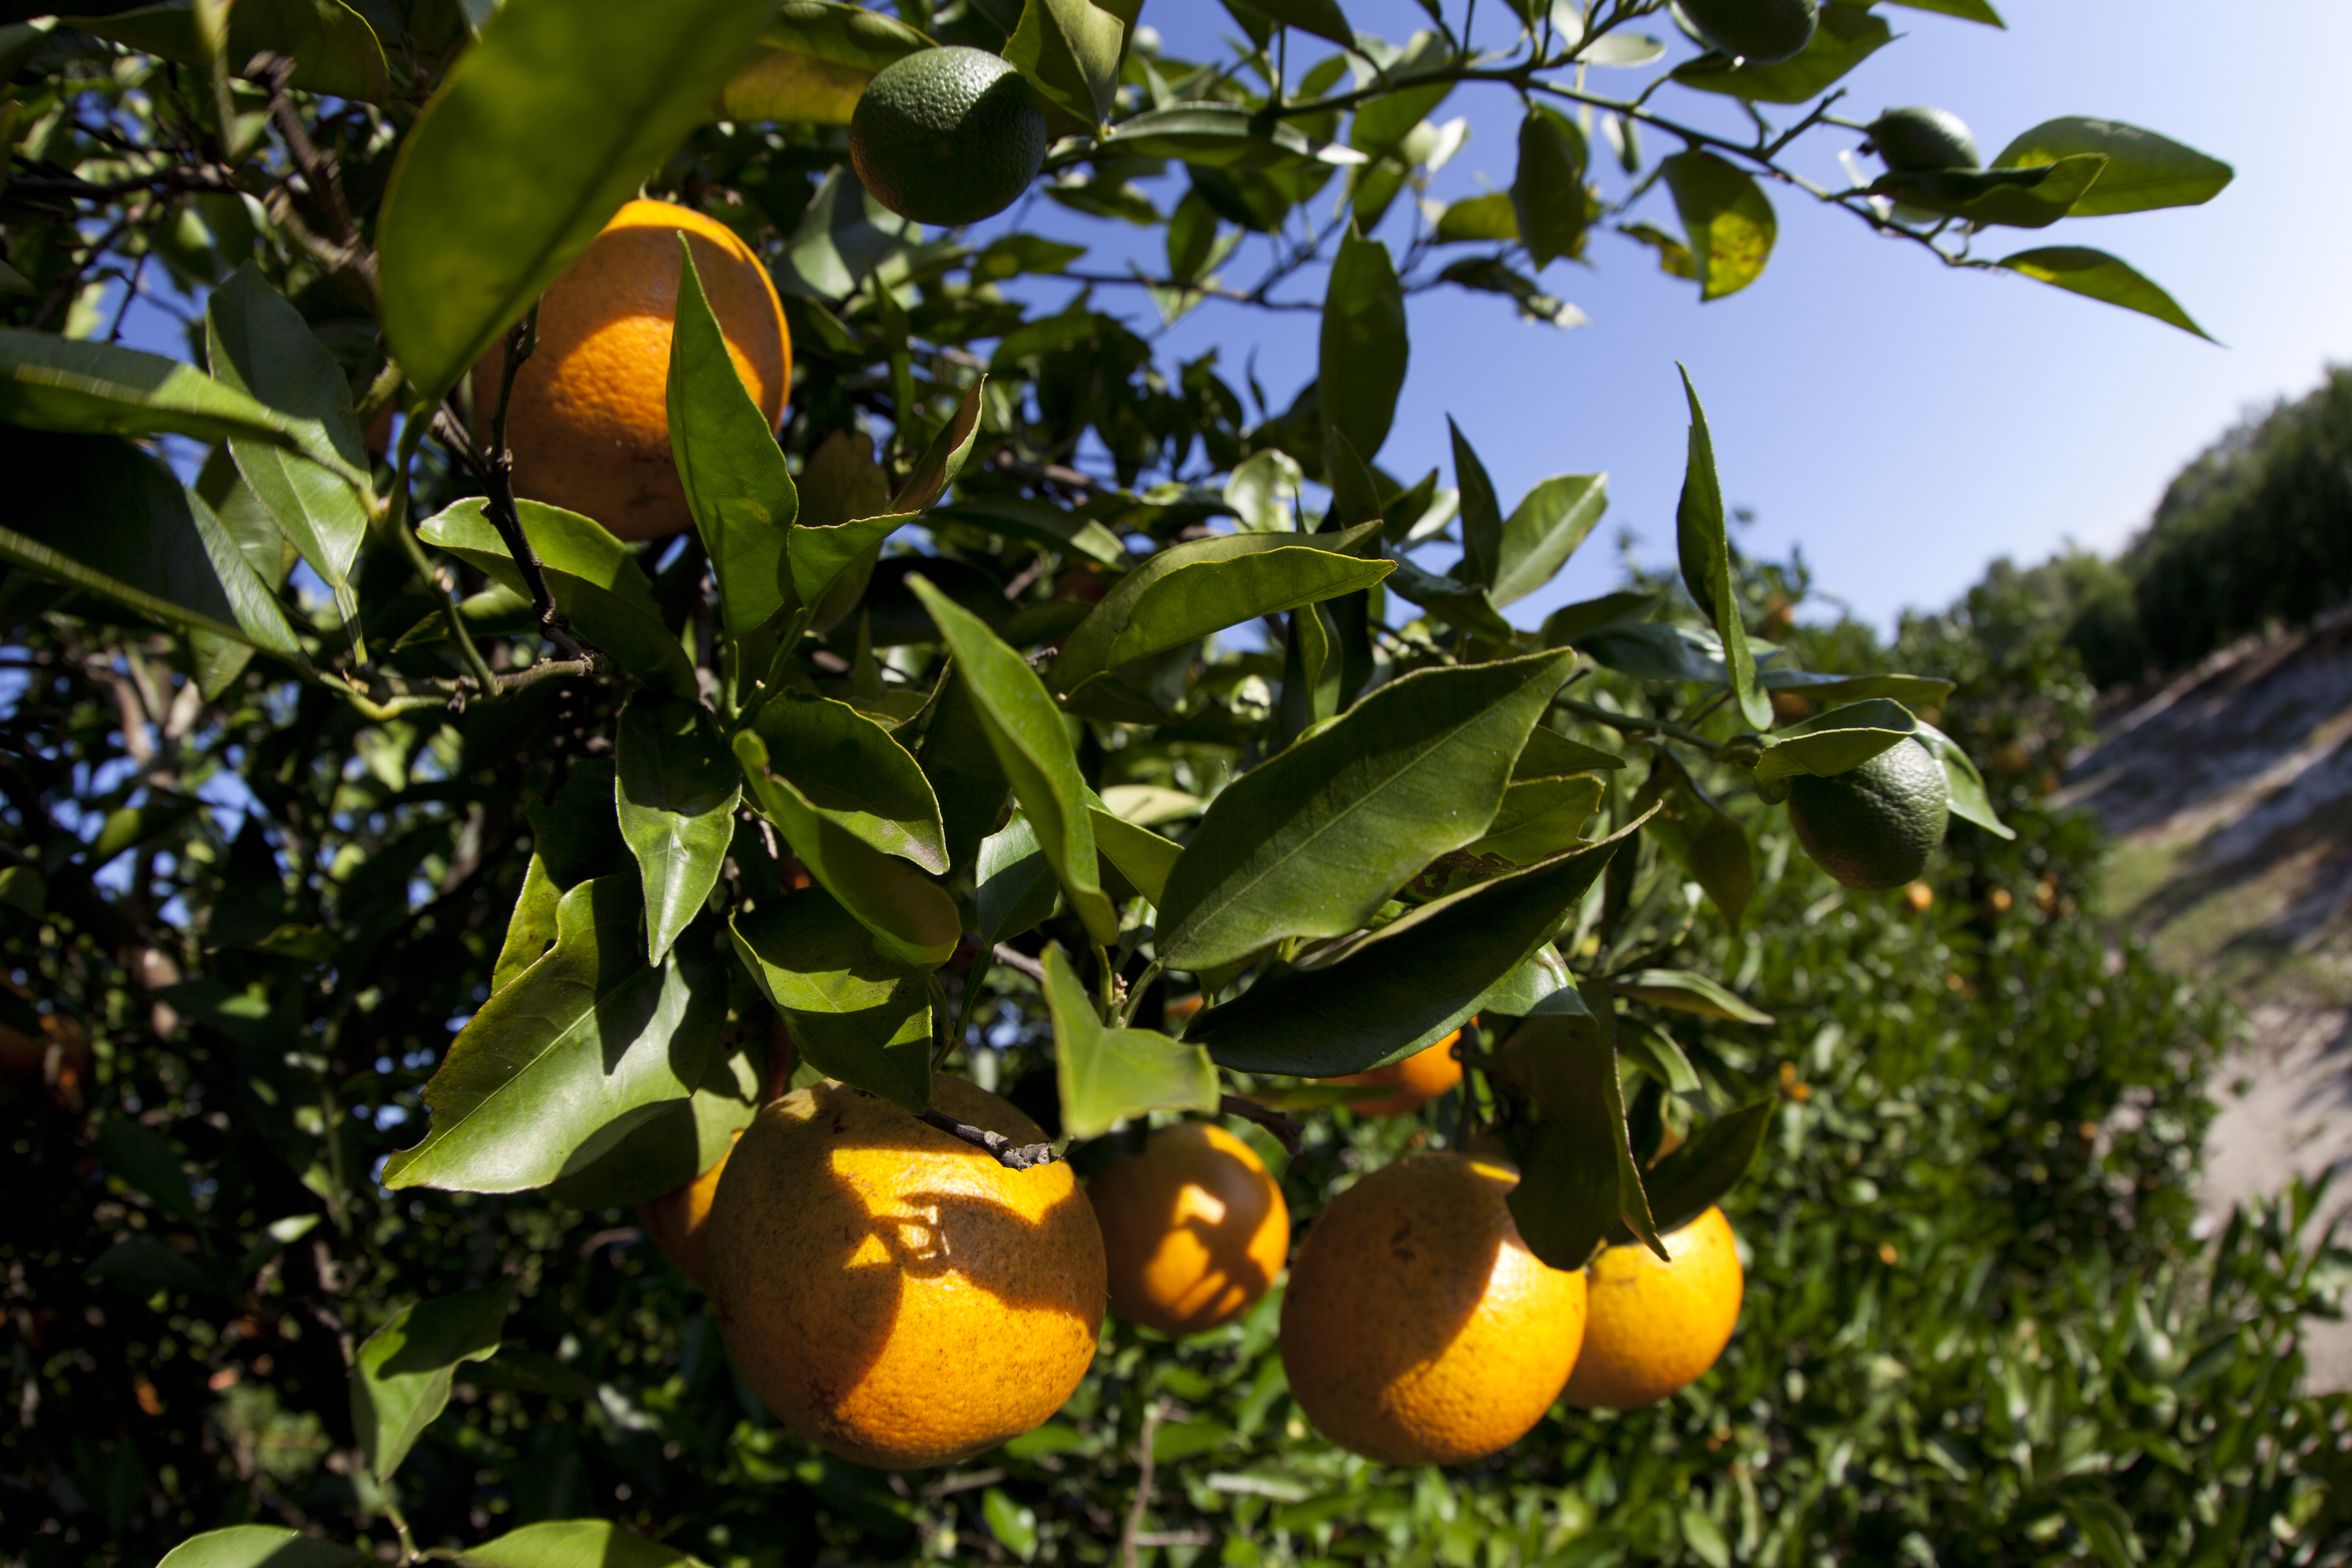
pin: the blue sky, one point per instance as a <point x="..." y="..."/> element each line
<point x="1903" y="424"/>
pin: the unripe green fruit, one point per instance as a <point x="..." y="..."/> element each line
<point x="1756" y="32"/>
<point x="947" y="136"/>
<point x="1912" y="140"/>
<point x="1875" y="826"/>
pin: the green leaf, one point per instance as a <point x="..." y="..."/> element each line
<point x="962" y="769"/>
<point x="1036" y="522"/>
<point x="859" y="1015"/>
<point x="1488" y="276"/>
<point x="1570" y="623"/>
<point x="259" y="1546"/>
<point x="676" y="789"/>
<point x="852" y="774"/>
<point x="578" y="1050"/>
<point x="332" y="50"/>
<point x="1544" y="530"/>
<point x="668" y="1151"/>
<point x="97" y="514"/>
<point x="1221" y="136"/>
<point x="1540" y="985"/>
<point x="1069" y="50"/>
<point x="1550" y="754"/>
<point x="1966" y="787"/>
<point x="1179" y="607"/>
<point x="911" y="917"/>
<point x="2144" y="170"/>
<point x="1835" y="741"/>
<point x="595" y="581"/>
<point x="1847" y="35"/>
<point x="843" y="236"/>
<point x="1017" y="889"/>
<point x="1706" y="562"/>
<point x="1547" y="196"/>
<point x="1655" y="650"/>
<point x="1311" y="842"/>
<point x="1108" y="1075"/>
<point x="259" y="344"/>
<point x="1409" y="984"/>
<point x="2018" y="198"/>
<point x="1539" y="818"/>
<point x="1032" y="746"/>
<point x="1141" y="856"/>
<point x="142" y="1266"/>
<point x="543" y="128"/>
<point x="1688" y="991"/>
<point x="1966" y="10"/>
<point x="574" y="1543"/>
<point x="1482" y="513"/>
<point x="1463" y="606"/>
<point x="1912" y="691"/>
<point x="821" y="557"/>
<point x="2098" y="276"/>
<point x="1363" y="346"/>
<point x="944" y="457"/>
<point x="69" y="385"/>
<point x="733" y="472"/>
<point x="146" y="1160"/>
<point x="1321" y="17"/>
<point x="811" y="62"/>
<point x="400" y="1378"/>
<point x="1702" y="1172"/>
<point x="2106" y="1528"/>
<point x="1578" y="1178"/>
<point x="1653" y="1051"/>
<point x="1493" y="216"/>
<point x="1727" y="218"/>
<point x="1701" y="837"/>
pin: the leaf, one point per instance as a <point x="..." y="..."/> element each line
<point x="1835" y="741"/>
<point x="1966" y="785"/>
<point x="1702" y="1172"/>
<point x="1488" y="276"/>
<point x="2144" y="170"/>
<point x="1017" y="889"/>
<point x="1482" y="513"/>
<point x="573" y="1543"/>
<point x="1036" y="522"/>
<point x="1108" y="1075"/>
<point x="1578" y="1178"/>
<point x="1621" y="49"/>
<point x="2096" y="275"/>
<point x="1702" y="838"/>
<point x="1364" y="345"/>
<point x="675" y="790"/>
<point x="1548" y="195"/>
<point x="143" y="1158"/>
<point x="74" y="386"/>
<point x="1550" y="754"/>
<point x="962" y="769"/>
<point x="1069" y="50"/>
<point x="1847" y="35"/>
<point x="142" y="1266"/>
<point x="259" y="1546"/>
<point x="911" y="917"/>
<point x="1727" y="219"/>
<point x="97" y="514"/>
<point x="1025" y="730"/>
<point x="1570" y="623"/>
<point x="1655" y="650"/>
<point x="821" y="557"/>
<point x="1142" y="856"/>
<point x="859" y="1015"/>
<point x="594" y="579"/>
<point x="1912" y="691"/>
<point x="1409" y="984"/>
<point x="1544" y="530"/>
<point x="1653" y="1051"/>
<point x="1184" y="605"/>
<point x="1462" y="605"/>
<point x="2107" y="1527"/>
<point x="1539" y="818"/>
<point x="1541" y="985"/>
<point x="736" y="487"/>
<point x="260" y="345"/>
<point x="560" y="1065"/>
<point x="1966" y="10"/>
<point x="944" y="457"/>
<point x="810" y="63"/>
<point x="1321" y="17"/>
<point x="400" y="1378"/>
<point x="842" y="235"/>
<point x="1311" y="842"/>
<point x="1687" y="991"/>
<point x="1477" y="219"/>
<point x="666" y="1152"/>
<point x="852" y="772"/>
<point x="537" y="136"/>
<point x="332" y="50"/>
<point x="1221" y="136"/>
<point x="1706" y="561"/>
<point x="2018" y="198"/>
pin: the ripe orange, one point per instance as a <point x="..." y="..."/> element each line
<point x="1418" y="1327"/>
<point x="679" y="1222"/>
<point x="1420" y="1078"/>
<point x="894" y="1294"/>
<point x="589" y="421"/>
<point x="1195" y="1230"/>
<point x="1652" y="1327"/>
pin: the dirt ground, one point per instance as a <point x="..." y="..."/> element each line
<point x="2229" y="794"/>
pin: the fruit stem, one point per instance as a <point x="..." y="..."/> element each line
<point x="1283" y="1128"/>
<point x="1011" y="1155"/>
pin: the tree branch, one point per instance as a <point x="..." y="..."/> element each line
<point x="1283" y="1128"/>
<point x="1011" y="1155"/>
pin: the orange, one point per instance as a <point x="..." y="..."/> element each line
<point x="892" y="1293"/>
<point x="1418" y="1327"/>
<point x="1650" y="1326"/>
<point x="589" y="420"/>
<point x="1195" y="1230"/>
<point x="679" y="1222"/>
<point x="1420" y="1078"/>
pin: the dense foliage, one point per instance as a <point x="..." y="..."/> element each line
<point x="444" y="877"/>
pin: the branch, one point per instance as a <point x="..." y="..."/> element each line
<point x="1011" y="1155"/>
<point x="1014" y="959"/>
<point x="1128" y="1538"/>
<point x="1279" y="1123"/>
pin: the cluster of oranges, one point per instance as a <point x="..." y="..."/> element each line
<point x="902" y="1299"/>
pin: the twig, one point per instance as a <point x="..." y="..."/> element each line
<point x="1011" y="1155"/>
<point x="497" y="480"/>
<point x="1279" y="1123"/>
<point x="1153" y="1414"/>
<point x="1014" y="959"/>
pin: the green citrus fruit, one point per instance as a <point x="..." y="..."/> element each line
<point x="1912" y="140"/>
<point x="1875" y="826"/>
<point x="1757" y="32"/>
<point x="947" y="136"/>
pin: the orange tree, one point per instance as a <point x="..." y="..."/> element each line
<point x="405" y="875"/>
